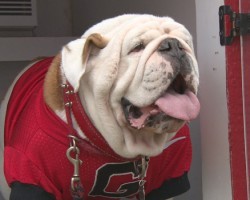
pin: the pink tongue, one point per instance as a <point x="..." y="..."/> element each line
<point x="181" y="106"/>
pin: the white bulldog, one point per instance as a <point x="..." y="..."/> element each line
<point x="136" y="77"/>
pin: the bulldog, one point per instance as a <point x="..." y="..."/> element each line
<point x="107" y="117"/>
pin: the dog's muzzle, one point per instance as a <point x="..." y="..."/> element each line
<point x="178" y="102"/>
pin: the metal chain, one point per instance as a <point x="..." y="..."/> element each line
<point x="141" y="170"/>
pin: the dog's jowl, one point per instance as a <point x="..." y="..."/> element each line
<point x="106" y="118"/>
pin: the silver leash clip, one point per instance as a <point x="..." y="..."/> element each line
<point x="72" y="154"/>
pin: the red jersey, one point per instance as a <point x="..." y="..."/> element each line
<point x="36" y="141"/>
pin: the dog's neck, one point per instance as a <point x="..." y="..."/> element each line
<point x="73" y="107"/>
<point x="64" y="100"/>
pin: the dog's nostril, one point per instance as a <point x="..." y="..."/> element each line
<point x="165" y="46"/>
<point x="180" y="46"/>
<point x="170" y="44"/>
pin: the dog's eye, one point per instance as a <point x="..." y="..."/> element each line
<point x="137" y="48"/>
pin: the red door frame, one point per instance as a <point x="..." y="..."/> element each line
<point x="236" y="117"/>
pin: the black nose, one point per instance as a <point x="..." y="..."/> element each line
<point x="171" y="46"/>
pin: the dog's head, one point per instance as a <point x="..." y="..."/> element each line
<point x="137" y="77"/>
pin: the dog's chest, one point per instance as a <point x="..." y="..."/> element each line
<point x="37" y="142"/>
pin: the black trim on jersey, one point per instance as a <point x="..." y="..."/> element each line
<point x="21" y="191"/>
<point x="170" y="188"/>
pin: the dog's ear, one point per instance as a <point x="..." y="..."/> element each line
<point x="75" y="57"/>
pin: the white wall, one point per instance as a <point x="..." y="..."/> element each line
<point x="214" y="113"/>
<point x="54" y="18"/>
<point x="88" y="12"/>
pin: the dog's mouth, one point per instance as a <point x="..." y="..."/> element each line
<point x="177" y="103"/>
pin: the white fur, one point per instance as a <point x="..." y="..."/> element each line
<point x="75" y="69"/>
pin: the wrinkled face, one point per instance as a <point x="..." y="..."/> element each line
<point x="148" y="85"/>
<point x="161" y="80"/>
<point x="161" y="94"/>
